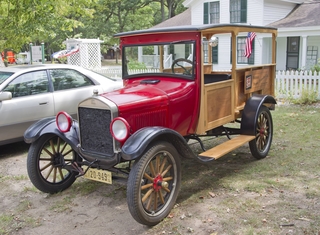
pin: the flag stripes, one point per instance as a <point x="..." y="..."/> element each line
<point x="248" y="48"/>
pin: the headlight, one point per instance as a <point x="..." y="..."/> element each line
<point x="120" y="129"/>
<point x="63" y="121"/>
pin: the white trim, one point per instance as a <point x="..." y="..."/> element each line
<point x="299" y="31"/>
<point x="187" y="3"/>
<point x="293" y="1"/>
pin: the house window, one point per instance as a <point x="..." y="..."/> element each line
<point x="205" y="51"/>
<point x="312" y="56"/>
<point x="214" y="52"/>
<point x="238" y="11"/>
<point x="211" y="12"/>
<point x="241" y="45"/>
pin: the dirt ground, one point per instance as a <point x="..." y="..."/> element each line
<point x="35" y="212"/>
<point x="200" y="209"/>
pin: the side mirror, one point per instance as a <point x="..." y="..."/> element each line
<point x="5" y="95"/>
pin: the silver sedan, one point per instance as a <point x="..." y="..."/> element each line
<point x="30" y="93"/>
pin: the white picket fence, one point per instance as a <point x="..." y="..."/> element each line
<point x="293" y="83"/>
<point x="287" y="84"/>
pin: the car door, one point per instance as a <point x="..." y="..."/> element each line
<point x="70" y="88"/>
<point x="31" y="101"/>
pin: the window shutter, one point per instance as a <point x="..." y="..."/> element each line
<point x="215" y="54"/>
<point x="251" y="58"/>
<point x="243" y="11"/>
<point x="205" y="13"/>
<point x="187" y="51"/>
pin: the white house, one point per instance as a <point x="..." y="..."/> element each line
<point x="297" y="21"/>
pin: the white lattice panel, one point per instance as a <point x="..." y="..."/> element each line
<point x="89" y="55"/>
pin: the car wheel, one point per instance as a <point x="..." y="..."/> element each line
<point x="46" y="159"/>
<point x="154" y="183"/>
<point x="260" y="146"/>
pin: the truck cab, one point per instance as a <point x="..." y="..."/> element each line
<point x="171" y="95"/>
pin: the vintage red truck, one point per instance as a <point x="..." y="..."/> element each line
<point x="142" y="130"/>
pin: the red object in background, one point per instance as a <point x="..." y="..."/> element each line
<point x="10" y="57"/>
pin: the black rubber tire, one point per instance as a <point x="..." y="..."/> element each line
<point x="260" y="146"/>
<point x="44" y="161"/>
<point x="148" y="202"/>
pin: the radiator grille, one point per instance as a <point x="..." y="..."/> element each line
<point x="95" y="133"/>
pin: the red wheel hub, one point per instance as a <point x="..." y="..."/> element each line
<point x="262" y="132"/>
<point x="157" y="183"/>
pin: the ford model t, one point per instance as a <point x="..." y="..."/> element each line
<point x="179" y="94"/>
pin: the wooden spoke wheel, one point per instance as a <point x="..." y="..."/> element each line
<point x="154" y="183"/>
<point x="45" y="164"/>
<point x="260" y="146"/>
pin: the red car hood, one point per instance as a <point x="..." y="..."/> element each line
<point x="138" y="96"/>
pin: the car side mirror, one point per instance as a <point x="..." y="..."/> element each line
<point x="5" y="95"/>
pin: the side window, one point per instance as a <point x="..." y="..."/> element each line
<point x="238" y="11"/>
<point x="241" y="45"/>
<point x="211" y="12"/>
<point x="29" y="84"/>
<point x="214" y="52"/>
<point x="63" y="79"/>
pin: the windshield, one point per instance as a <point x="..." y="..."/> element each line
<point x="4" y="76"/>
<point x="174" y="58"/>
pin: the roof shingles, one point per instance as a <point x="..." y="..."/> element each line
<point x="306" y="14"/>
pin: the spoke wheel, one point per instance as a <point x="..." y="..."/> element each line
<point x="260" y="146"/>
<point x="154" y="183"/>
<point x="45" y="161"/>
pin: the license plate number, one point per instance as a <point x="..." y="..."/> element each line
<point x="99" y="175"/>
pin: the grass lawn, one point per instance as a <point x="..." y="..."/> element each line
<point x="237" y="194"/>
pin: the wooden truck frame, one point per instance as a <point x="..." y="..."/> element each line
<point x="171" y="94"/>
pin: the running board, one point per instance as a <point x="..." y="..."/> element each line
<point x="226" y="147"/>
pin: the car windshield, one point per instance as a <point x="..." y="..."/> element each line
<point x="4" y="76"/>
<point x="171" y="58"/>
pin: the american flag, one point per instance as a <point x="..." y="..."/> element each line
<point x="249" y="39"/>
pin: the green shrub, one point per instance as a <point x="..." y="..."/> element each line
<point x="136" y="65"/>
<point x="306" y="97"/>
<point x="316" y="67"/>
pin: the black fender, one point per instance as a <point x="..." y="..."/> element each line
<point x="137" y="143"/>
<point x="250" y="112"/>
<point x="48" y="126"/>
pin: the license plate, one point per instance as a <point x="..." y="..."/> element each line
<point x="99" y="175"/>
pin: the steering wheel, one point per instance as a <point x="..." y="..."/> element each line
<point x="176" y="62"/>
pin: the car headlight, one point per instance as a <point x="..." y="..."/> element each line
<point x="120" y="129"/>
<point x="63" y="121"/>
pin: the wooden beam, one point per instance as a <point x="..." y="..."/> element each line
<point x="226" y="147"/>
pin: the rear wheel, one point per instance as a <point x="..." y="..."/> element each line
<point x="260" y="146"/>
<point x="46" y="158"/>
<point x="154" y="183"/>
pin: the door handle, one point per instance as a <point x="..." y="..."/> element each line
<point x="43" y="103"/>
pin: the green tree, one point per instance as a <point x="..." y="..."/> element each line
<point x="23" y="21"/>
<point x="113" y="16"/>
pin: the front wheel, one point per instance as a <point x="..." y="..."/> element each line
<point x="46" y="159"/>
<point x="154" y="183"/>
<point x="260" y="146"/>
